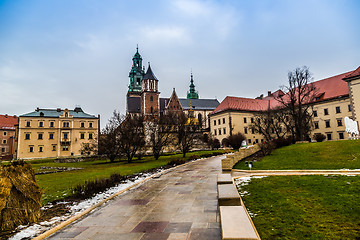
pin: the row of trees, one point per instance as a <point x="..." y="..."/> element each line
<point x="132" y="134"/>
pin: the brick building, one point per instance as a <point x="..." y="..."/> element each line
<point x="7" y="136"/>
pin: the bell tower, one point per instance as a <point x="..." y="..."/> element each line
<point x="150" y="94"/>
<point x="192" y="94"/>
<point x="136" y="75"/>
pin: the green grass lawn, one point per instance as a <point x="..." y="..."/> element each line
<point x="58" y="185"/>
<point x="322" y="155"/>
<point x="305" y="207"/>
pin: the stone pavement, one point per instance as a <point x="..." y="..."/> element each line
<point x="180" y="204"/>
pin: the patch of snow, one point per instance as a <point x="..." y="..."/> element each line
<point x="36" y="229"/>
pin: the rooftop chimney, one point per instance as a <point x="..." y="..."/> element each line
<point x="269" y="93"/>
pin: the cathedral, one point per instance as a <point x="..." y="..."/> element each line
<point x="143" y="96"/>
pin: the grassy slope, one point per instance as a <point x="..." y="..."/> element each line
<point x="58" y="185"/>
<point x="323" y="155"/>
<point x="305" y="207"/>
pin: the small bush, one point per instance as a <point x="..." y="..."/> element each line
<point x="215" y="144"/>
<point x="267" y="147"/>
<point x="282" y="142"/>
<point x="90" y="188"/>
<point x="319" y="137"/>
<point x="194" y="157"/>
<point x="225" y="142"/>
<point x="177" y="161"/>
<point x="236" y="140"/>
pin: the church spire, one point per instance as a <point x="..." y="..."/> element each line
<point x="192" y="94"/>
<point x="136" y="73"/>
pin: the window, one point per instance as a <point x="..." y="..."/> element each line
<point x="31" y="148"/>
<point x="245" y="130"/>
<point x="316" y="125"/>
<point x="5" y="133"/>
<point x="2" y="149"/>
<point x="245" y="120"/>
<point x="337" y="109"/>
<point x="349" y="108"/>
<point x="339" y="122"/>
<point x="219" y="131"/>
<point x="28" y="123"/>
<point x="138" y="81"/>
<point x="215" y="132"/>
<point x="200" y="118"/>
<point x="90" y="136"/>
<point x="326" y="111"/>
<point x="223" y="120"/>
<point x="65" y="136"/>
<point x="51" y="136"/>
<point x="341" y="135"/>
<point x="82" y="135"/>
<point x="215" y="123"/>
<point x="219" y="121"/>
<point x="27" y="136"/>
<point x="4" y="141"/>
<point x="82" y="124"/>
<point x="249" y="140"/>
<point x="327" y="123"/>
<point x="224" y="130"/>
<point x="252" y="120"/>
<point x="40" y="148"/>
<point x="90" y="124"/>
<point x="41" y="124"/>
<point x="252" y="130"/>
<point x="256" y="140"/>
<point x="40" y="136"/>
<point x="151" y="98"/>
<point x="54" y="147"/>
<point x="66" y="124"/>
<point x="328" y="136"/>
<point x="65" y="148"/>
<point x="315" y="113"/>
<point x="52" y="124"/>
<point x="151" y="109"/>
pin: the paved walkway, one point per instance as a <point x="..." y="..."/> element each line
<point x="181" y="204"/>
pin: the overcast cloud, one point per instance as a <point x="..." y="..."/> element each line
<point x="63" y="53"/>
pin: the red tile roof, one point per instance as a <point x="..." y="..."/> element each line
<point x="328" y="88"/>
<point x="353" y="74"/>
<point x="8" y="122"/>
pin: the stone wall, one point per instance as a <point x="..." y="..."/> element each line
<point x="228" y="163"/>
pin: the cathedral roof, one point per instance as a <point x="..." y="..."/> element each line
<point x="199" y="104"/>
<point x="149" y="74"/>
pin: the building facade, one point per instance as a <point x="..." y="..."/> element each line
<point x="336" y="98"/>
<point x="53" y="133"/>
<point x="7" y="136"/>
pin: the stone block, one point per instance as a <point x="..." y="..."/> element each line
<point x="224" y="179"/>
<point x="228" y="195"/>
<point x="236" y="224"/>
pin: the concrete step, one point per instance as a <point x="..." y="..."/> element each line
<point x="236" y="224"/>
<point x="228" y="195"/>
<point x="224" y="179"/>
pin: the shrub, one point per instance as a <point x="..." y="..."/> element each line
<point x="225" y="142"/>
<point x="282" y="142"/>
<point x="90" y="188"/>
<point x="215" y="144"/>
<point x="236" y="140"/>
<point x="267" y="147"/>
<point x="177" y="161"/>
<point x="319" y="137"/>
<point x="194" y="157"/>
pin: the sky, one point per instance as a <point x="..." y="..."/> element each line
<point x="67" y="53"/>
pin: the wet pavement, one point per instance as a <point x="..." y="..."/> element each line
<point x="180" y="204"/>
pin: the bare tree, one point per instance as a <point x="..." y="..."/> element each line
<point x="188" y="132"/>
<point x="161" y="131"/>
<point x="270" y="123"/>
<point x="109" y="139"/>
<point x="132" y="135"/>
<point x="297" y="102"/>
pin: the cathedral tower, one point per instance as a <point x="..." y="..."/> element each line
<point x="192" y="94"/>
<point x="150" y="94"/>
<point x="136" y="75"/>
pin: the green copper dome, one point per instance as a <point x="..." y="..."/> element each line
<point x="136" y="73"/>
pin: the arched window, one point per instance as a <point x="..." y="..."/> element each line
<point x="151" y="110"/>
<point x="151" y="98"/>
<point x="200" y="118"/>
<point x="151" y="85"/>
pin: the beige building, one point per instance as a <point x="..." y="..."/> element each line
<point x="333" y="102"/>
<point x="53" y="133"/>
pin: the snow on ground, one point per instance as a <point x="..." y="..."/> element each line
<point x="36" y="229"/>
